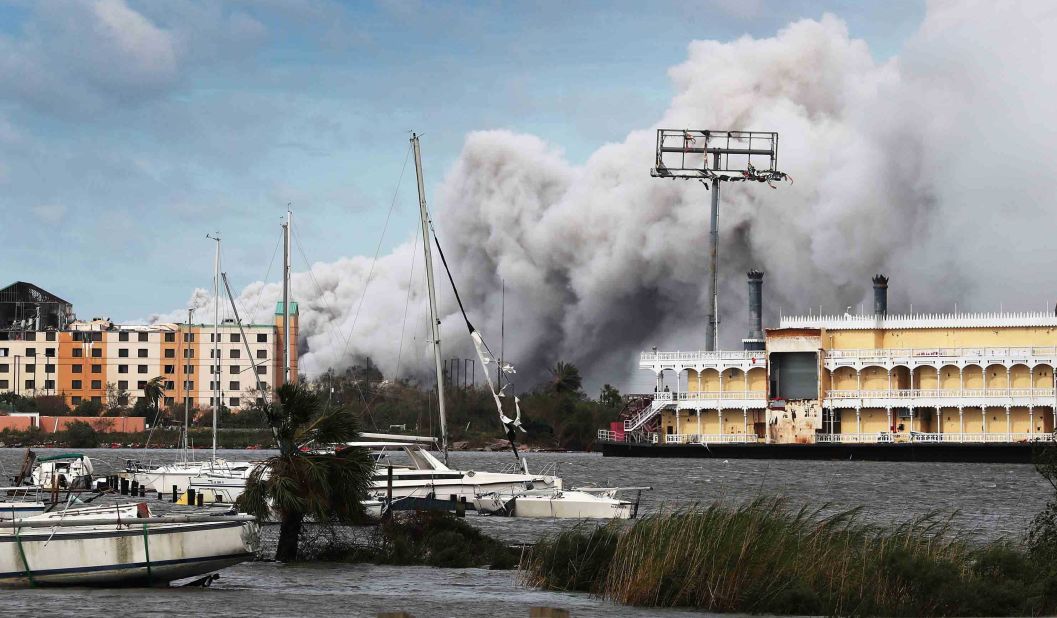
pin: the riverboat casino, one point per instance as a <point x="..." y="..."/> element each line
<point x="877" y="378"/>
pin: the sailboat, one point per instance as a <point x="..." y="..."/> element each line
<point x="426" y="476"/>
<point x="219" y="479"/>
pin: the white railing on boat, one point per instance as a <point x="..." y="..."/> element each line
<point x="701" y="355"/>
<point x="715" y="438"/>
<point x="939" y="393"/>
<point x="1024" y="352"/>
<point x="918" y="437"/>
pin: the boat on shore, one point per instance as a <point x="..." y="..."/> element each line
<point x="100" y="548"/>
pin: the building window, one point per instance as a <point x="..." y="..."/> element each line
<point x="235" y="354"/>
<point x="189" y="385"/>
<point x="262" y="353"/>
<point x="76" y="385"/>
<point x="141" y="369"/>
<point x="97" y="384"/>
<point x="97" y="399"/>
<point x="4" y="385"/>
<point x="97" y="369"/>
<point x="142" y="384"/>
<point x="262" y="338"/>
<point x="170" y="337"/>
<point x="49" y="368"/>
<point x="5" y="352"/>
<point x="234" y="386"/>
<point x="170" y="401"/>
<point x="170" y="369"/>
<point x="30" y="385"/>
<point x="76" y="368"/>
<point x="49" y="385"/>
<point x="31" y="336"/>
<point x="189" y="368"/>
<point x="122" y="336"/>
<point x="143" y="337"/>
<point x="234" y="401"/>
<point x="170" y="353"/>
<point x="31" y="369"/>
<point x="31" y="351"/>
<point x="122" y="385"/>
<point x="122" y="353"/>
<point x="97" y="353"/>
<point x="122" y="368"/>
<point x="78" y="352"/>
<point x="4" y="368"/>
<point x="169" y="385"/>
<point x="235" y="369"/>
<point x="141" y="353"/>
<point x="50" y="335"/>
<point x="189" y="353"/>
<point x="262" y="369"/>
<point x="75" y="400"/>
<point x="236" y="338"/>
<point x="49" y="352"/>
<point x="189" y="337"/>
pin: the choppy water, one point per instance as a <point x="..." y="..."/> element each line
<point x="991" y="499"/>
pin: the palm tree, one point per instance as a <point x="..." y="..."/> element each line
<point x="565" y="378"/>
<point x="153" y="391"/>
<point x="296" y="484"/>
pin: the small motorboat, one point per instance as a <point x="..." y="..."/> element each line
<point x="582" y="503"/>
<point x="63" y="471"/>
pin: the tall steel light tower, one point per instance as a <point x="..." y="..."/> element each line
<point x="717" y="156"/>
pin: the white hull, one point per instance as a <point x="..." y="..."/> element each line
<point x="120" y="555"/>
<point x="18" y="510"/>
<point x="555" y="505"/>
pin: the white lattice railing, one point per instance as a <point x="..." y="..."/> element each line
<point x="925" y="393"/>
<point x="690" y="357"/>
<point x="929" y="438"/>
<point x="1020" y="353"/>
<point x="713" y="438"/>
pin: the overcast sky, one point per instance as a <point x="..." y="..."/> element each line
<point x="128" y="130"/>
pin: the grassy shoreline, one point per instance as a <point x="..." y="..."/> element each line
<point x="766" y="557"/>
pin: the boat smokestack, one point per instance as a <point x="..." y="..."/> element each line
<point x="880" y="296"/>
<point x="755" y="339"/>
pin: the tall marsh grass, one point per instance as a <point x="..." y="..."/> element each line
<point x="766" y="557"/>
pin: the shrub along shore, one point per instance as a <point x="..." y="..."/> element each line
<point x="766" y="557"/>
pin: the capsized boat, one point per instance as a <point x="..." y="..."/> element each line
<point x="582" y="503"/>
<point x="65" y="471"/>
<point x="114" y="550"/>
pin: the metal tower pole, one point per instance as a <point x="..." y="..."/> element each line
<point x="713" y="270"/>
<point x="434" y="321"/>
<point x="216" y="344"/>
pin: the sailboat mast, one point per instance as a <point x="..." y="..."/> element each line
<point x="216" y="343"/>
<point x="186" y="343"/>
<point x="286" y="297"/>
<point x="434" y="321"/>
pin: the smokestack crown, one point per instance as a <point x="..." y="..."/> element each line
<point x="880" y="295"/>
<point x="755" y="339"/>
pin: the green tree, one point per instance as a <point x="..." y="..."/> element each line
<point x="610" y="397"/>
<point x="565" y="379"/>
<point x="87" y="407"/>
<point x="52" y="405"/>
<point x="80" y="434"/>
<point x="296" y="484"/>
<point x="153" y="392"/>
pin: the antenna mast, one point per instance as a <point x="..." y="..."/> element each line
<point x="434" y="321"/>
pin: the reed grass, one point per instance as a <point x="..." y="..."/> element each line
<point x="766" y="557"/>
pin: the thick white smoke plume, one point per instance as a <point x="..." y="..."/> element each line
<point x="934" y="167"/>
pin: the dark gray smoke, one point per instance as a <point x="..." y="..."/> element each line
<point x="933" y="167"/>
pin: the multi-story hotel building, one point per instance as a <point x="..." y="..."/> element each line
<point x="956" y="378"/>
<point x="45" y="351"/>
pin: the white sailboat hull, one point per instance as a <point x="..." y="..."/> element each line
<point x="120" y="555"/>
<point x="555" y="505"/>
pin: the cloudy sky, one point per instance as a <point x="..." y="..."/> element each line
<point x="128" y="130"/>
